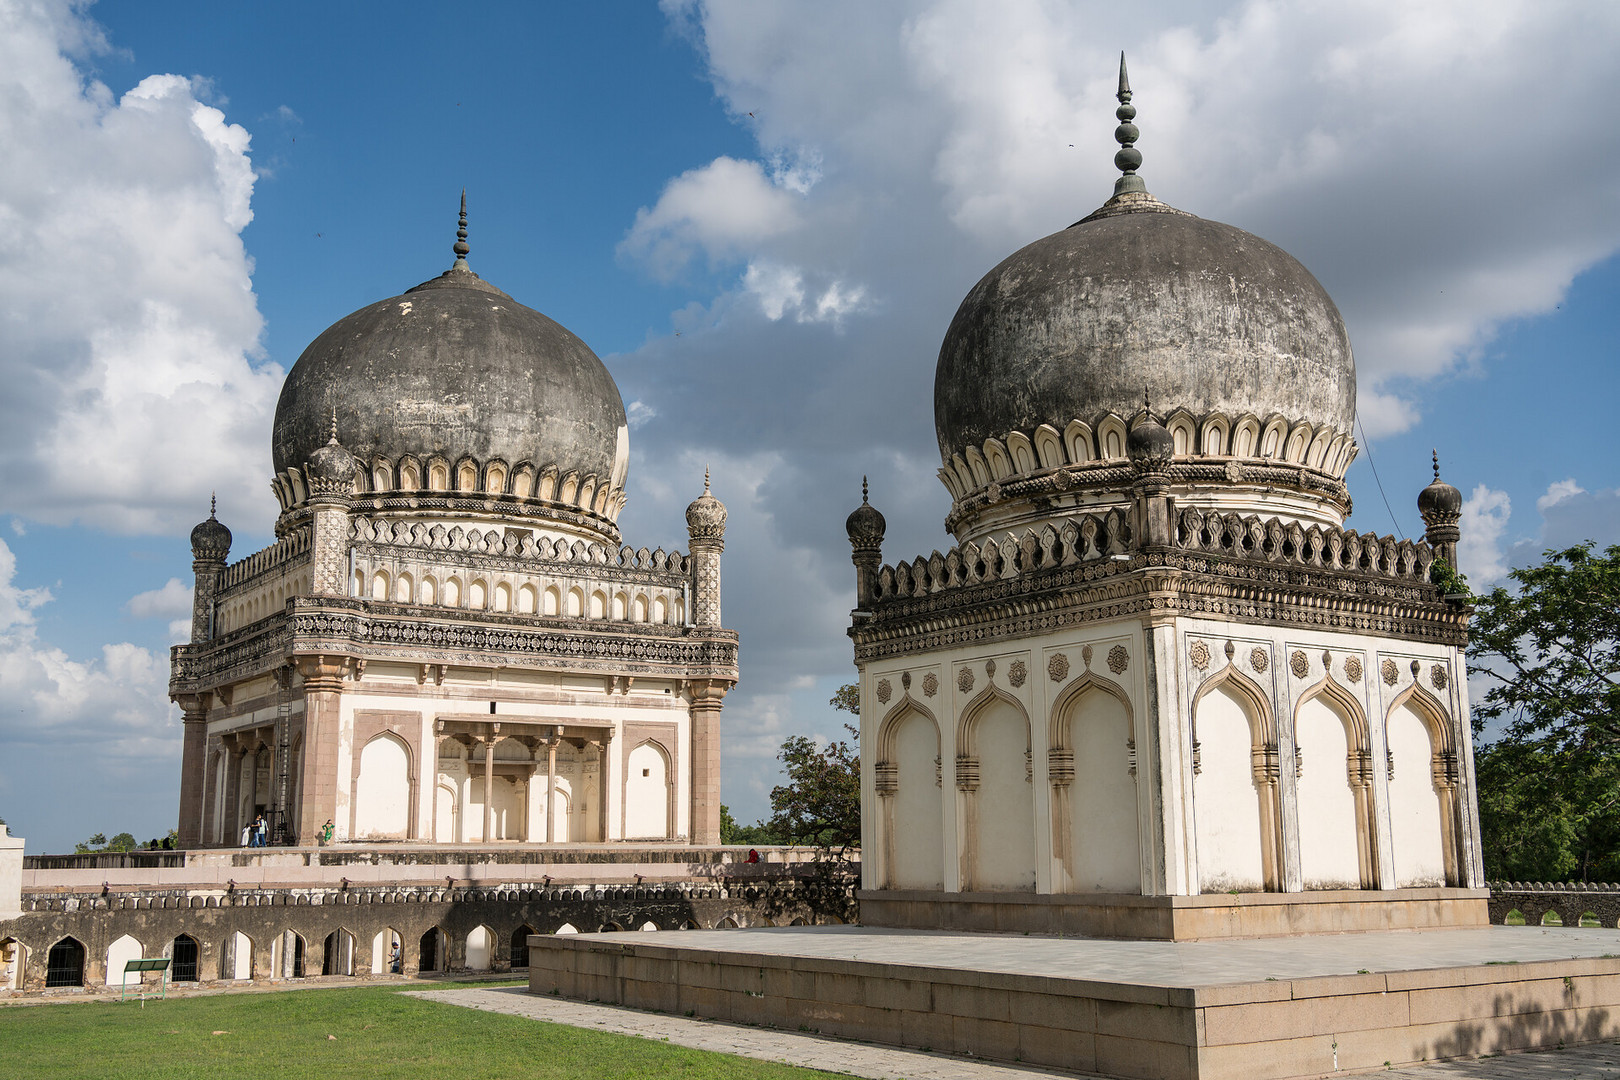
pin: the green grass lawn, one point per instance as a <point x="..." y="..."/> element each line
<point x="377" y="1032"/>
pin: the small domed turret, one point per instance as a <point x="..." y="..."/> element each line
<point x="865" y="525"/>
<point x="1441" y="507"/>
<point x="706" y="516"/>
<point x="211" y="540"/>
<point x="331" y="469"/>
<point x="1150" y="446"/>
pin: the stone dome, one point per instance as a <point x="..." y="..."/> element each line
<point x="211" y="540"/>
<point x="706" y="516"/>
<point x="1050" y="356"/>
<point x="1201" y="316"/>
<point x="455" y="371"/>
<point x="453" y="368"/>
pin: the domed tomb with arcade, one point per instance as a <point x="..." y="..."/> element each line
<point x="448" y="642"/>
<point x="1157" y="689"/>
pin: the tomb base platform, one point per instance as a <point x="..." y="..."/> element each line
<point x="1178" y="918"/>
<point x="1255" y="1009"/>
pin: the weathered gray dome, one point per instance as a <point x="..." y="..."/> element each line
<point x="454" y="368"/>
<point x="1140" y="298"/>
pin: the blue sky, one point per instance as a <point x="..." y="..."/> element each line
<point x="762" y="218"/>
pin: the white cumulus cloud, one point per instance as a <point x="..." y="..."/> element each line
<point x="1480" y="556"/>
<point x="129" y="330"/>
<point x="1557" y="492"/>
<point x="174" y="598"/>
<point x="721" y="210"/>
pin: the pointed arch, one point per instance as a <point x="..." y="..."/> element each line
<point x="1234" y="848"/>
<point x="994" y="785"/>
<point x="1091" y="767"/>
<point x="1425" y="828"/>
<point x="1337" y="840"/>
<point x="907" y="772"/>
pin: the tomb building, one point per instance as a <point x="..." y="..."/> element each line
<point x="448" y="642"/>
<point x="1156" y="688"/>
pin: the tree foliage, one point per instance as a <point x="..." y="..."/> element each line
<point x="820" y="805"/>
<point x="1549" y="653"/>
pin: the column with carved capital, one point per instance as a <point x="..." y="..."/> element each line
<point x="706" y="526"/>
<point x="322" y="674"/>
<point x="330" y="473"/>
<point x="193" y="755"/>
<point x="707" y="695"/>
<point x="210" y="547"/>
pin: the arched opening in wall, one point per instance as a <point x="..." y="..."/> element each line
<point x="646" y="793"/>
<point x="999" y="809"/>
<point x="680" y="612"/>
<point x="550" y="602"/>
<point x="520" y="946"/>
<point x="430" y="950"/>
<point x="288" y="957"/>
<point x="503" y="597"/>
<point x="1552" y="919"/>
<point x="1513" y="918"/>
<point x="13" y="961"/>
<point x="649" y="926"/>
<point x="480" y="949"/>
<point x="1420" y="803"/>
<point x="410" y="476"/>
<point x="379" y="585"/>
<point x="452" y="593"/>
<point x="638" y="610"/>
<point x="337" y="953"/>
<point x="119" y="953"/>
<point x="660" y="610"/>
<point x="727" y="923"/>
<point x="1234" y="797"/>
<point x="1094" y="788"/>
<point x="912" y="810"/>
<point x="236" y="957"/>
<point x="382" y="789"/>
<point x="1589" y="918"/>
<point x="387" y="955"/>
<point x="610" y="928"/>
<point x="446" y="814"/>
<point x="598" y="605"/>
<point x="576" y="603"/>
<point x="478" y="595"/>
<point x="621" y="606"/>
<point x="566" y="928"/>
<point x="183" y="954"/>
<point x="64" y="964"/>
<point x="438" y="477"/>
<point x="1330" y="743"/>
<point x="404" y="589"/>
<point x="430" y="591"/>
<point x="527" y="600"/>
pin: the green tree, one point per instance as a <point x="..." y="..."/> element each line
<point x="123" y="842"/>
<point x="821" y="802"/>
<point x="753" y="835"/>
<point x="1550" y="654"/>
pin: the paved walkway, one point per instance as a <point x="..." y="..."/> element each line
<point x="1601" y="1062"/>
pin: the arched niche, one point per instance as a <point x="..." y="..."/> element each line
<point x="909" y="798"/>
<point x="1422" y="773"/>
<point x="1236" y="810"/>
<point x="998" y="799"/>
<point x="648" y="792"/>
<point x="382" y="789"/>
<point x="1334" y="793"/>
<point x="1091" y="766"/>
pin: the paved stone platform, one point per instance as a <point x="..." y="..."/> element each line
<point x="1257" y="1009"/>
<point x="1599" y="1062"/>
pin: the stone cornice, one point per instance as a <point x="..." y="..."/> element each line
<point x="1158" y="585"/>
<point x="469" y="639"/>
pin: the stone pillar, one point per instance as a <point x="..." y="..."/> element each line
<point x="489" y="787"/>
<point x="193" y="764"/>
<point x="706" y="525"/>
<point x="602" y="785"/>
<point x="551" y="791"/>
<point x="707" y="695"/>
<point x="323" y="699"/>
<point x="865" y="528"/>
<point x="210" y="547"/>
<point x="11" y="861"/>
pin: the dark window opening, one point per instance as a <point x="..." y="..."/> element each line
<point x="298" y="957"/>
<point x="520" y="947"/>
<point x="183" y="967"/>
<point x="64" y="965"/>
<point x="428" y="952"/>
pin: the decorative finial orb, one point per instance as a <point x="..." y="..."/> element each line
<point x="1439" y="503"/>
<point x="1150" y="443"/>
<point x="865" y="526"/>
<point x="706" y="517"/>
<point x="1128" y="159"/>
<point x="461" y="247"/>
<point x="331" y="469"/>
<point x="211" y="540"/>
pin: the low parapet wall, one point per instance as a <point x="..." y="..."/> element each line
<point x="1570" y="901"/>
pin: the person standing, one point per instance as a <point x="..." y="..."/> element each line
<point x="258" y="831"/>
<point x="396" y="963"/>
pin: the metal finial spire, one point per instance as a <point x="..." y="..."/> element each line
<point x="1436" y="454"/>
<point x="333" y="440"/>
<point x="213" y="503"/>
<point x="705" y="479"/>
<point x="460" y="248"/>
<point x="863" y="492"/>
<point x="1128" y="159"/>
